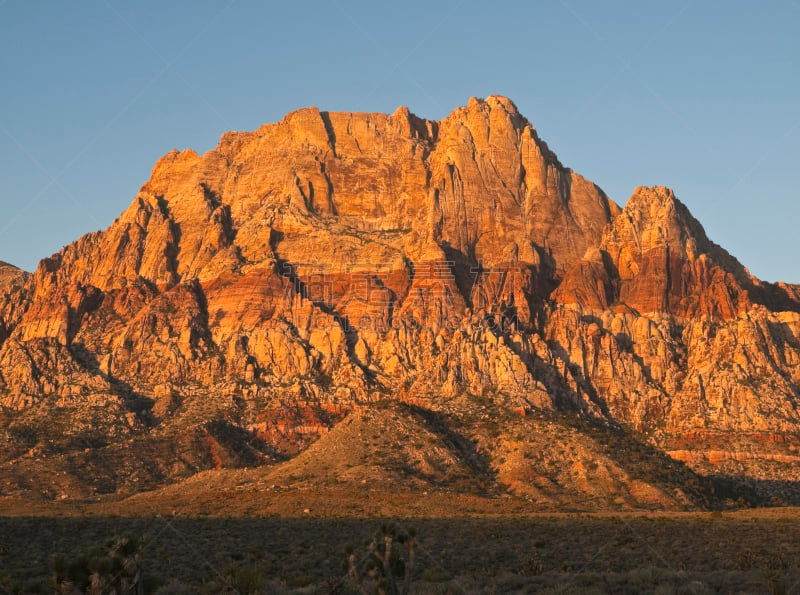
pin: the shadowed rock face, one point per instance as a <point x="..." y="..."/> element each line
<point x="317" y="264"/>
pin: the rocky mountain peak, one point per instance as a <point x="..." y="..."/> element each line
<point x="652" y="218"/>
<point x="320" y="264"/>
<point x="9" y="273"/>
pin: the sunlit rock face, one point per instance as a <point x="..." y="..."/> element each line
<point x="331" y="260"/>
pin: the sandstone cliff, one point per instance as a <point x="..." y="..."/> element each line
<point x="251" y="297"/>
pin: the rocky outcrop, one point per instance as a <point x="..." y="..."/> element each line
<point x="14" y="297"/>
<point x="332" y="260"/>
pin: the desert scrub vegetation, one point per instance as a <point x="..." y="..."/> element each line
<point x="113" y="568"/>
<point x="747" y="552"/>
<point x="389" y="564"/>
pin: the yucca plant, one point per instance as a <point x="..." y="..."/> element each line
<point x="115" y="568"/>
<point x="388" y="567"/>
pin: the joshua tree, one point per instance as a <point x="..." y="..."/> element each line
<point x="115" y="568"/>
<point x="389" y="564"/>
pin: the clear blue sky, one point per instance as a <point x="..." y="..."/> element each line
<point x="700" y="96"/>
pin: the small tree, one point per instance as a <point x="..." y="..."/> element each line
<point x="389" y="564"/>
<point x="115" y="568"/>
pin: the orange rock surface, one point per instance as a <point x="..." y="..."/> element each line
<point x="333" y="259"/>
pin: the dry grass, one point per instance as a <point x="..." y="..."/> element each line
<point x="744" y="552"/>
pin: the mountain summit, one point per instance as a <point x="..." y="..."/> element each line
<point x="450" y="278"/>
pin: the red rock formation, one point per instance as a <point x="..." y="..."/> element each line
<point x="655" y="257"/>
<point x="339" y="258"/>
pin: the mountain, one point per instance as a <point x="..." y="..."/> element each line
<point x="450" y="286"/>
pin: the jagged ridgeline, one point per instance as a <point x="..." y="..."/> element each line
<point x="318" y="268"/>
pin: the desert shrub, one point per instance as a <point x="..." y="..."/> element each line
<point x="245" y="578"/>
<point x="300" y="580"/>
<point x="436" y="575"/>
<point x="112" y="568"/>
<point x="532" y="566"/>
<point x="776" y="585"/>
<point x="240" y="578"/>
